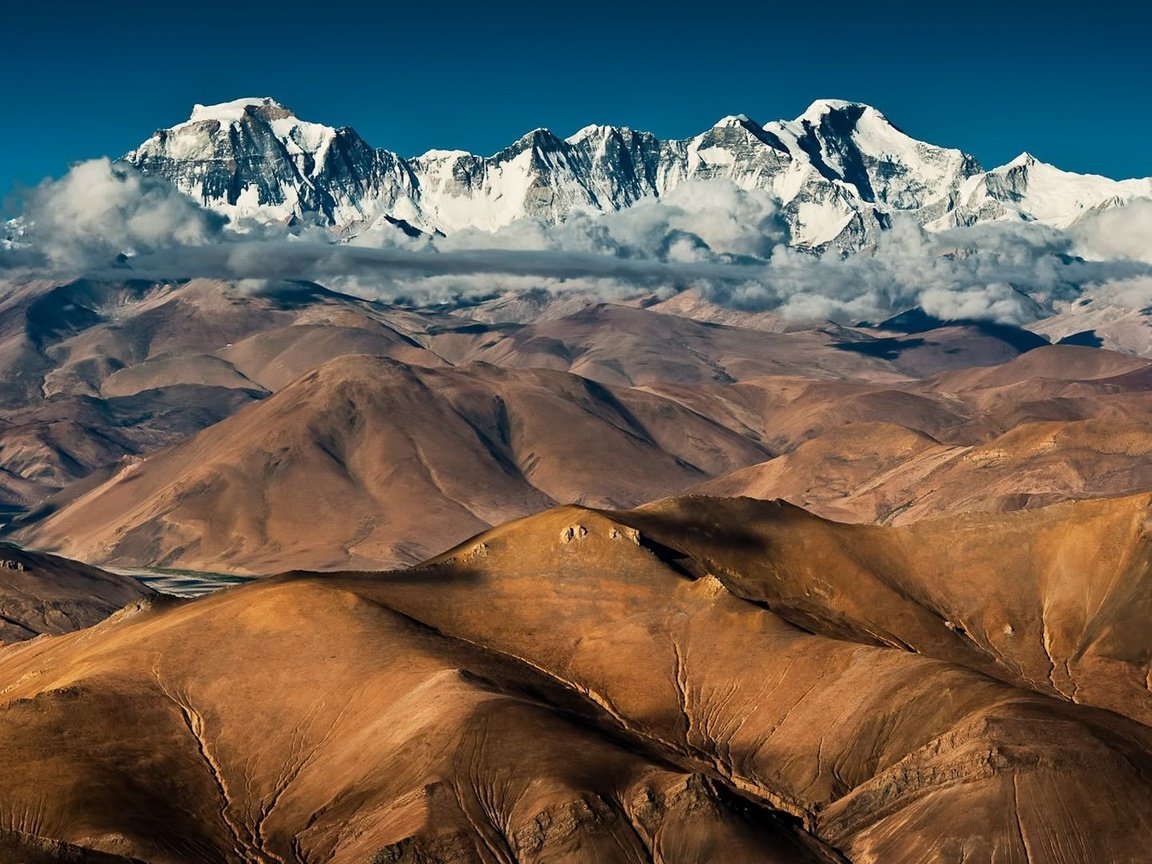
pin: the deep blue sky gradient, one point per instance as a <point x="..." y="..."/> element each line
<point x="1069" y="83"/>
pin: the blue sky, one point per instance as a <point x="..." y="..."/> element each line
<point x="1069" y="83"/>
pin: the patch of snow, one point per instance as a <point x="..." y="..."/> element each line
<point x="228" y="112"/>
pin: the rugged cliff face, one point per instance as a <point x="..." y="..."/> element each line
<point x="840" y="172"/>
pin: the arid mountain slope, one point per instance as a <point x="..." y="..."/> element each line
<point x="1024" y="596"/>
<point x="626" y="345"/>
<point x="1054" y="599"/>
<point x="78" y="338"/>
<point x="42" y="593"/>
<point x="344" y="732"/>
<point x="1055" y="424"/>
<point x="880" y="472"/>
<point x="98" y="372"/>
<point x="591" y="686"/>
<point x="964" y="406"/>
<point x="402" y="461"/>
<point x="367" y="462"/>
<point x="110" y="387"/>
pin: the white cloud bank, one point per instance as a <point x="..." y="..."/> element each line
<point x="728" y="242"/>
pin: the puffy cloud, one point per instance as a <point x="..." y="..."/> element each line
<point x="1008" y="272"/>
<point x="1120" y="232"/>
<point x="100" y="209"/>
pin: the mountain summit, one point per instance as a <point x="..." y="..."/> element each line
<point x="841" y="171"/>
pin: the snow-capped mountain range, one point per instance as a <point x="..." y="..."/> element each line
<point x="840" y="171"/>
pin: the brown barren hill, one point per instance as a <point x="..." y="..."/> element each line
<point x="881" y="472"/>
<point x="97" y="371"/>
<point x="702" y="680"/>
<point x="1055" y="599"/>
<point x="367" y="462"/>
<point x="343" y="732"/>
<point x="42" y="593"/>
<point x="624" y="346"/>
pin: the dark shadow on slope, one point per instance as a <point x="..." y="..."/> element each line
<point x="889" y="348"/>
<point x="1085" y="338"/>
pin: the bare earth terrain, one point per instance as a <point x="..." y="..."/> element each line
<point x="700" y="680"/>
<point x="717" y="588"/>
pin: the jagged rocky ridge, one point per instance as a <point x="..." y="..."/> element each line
<point x="840" y="171"/>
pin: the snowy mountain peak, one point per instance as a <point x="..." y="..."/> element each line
<point x="1024" y="160"/>
<point x="593" y="131"/>
<point x="234" y="111"/>
<point x="432" y="155"/>
<point x="840" y="172"/>
<point x="735" y="120"/>
<point x="539" y="135"/>
<point x="1029" y="190"/>
<point x="822" y="107"/>
<point x="253" y="158"/>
